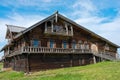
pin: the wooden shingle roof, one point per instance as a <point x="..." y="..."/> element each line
<point x="17" y="29"/>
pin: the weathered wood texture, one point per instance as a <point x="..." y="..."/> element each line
<point x="52" y="61"/>
<point x="17" y="63"/>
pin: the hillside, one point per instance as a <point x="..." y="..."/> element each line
<point x="99" y="71"/>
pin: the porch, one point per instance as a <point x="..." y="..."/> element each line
<point x="46" y="50"/>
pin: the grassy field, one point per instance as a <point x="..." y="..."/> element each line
<point x="99" y="71"/>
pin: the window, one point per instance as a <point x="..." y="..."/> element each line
<point x="64" y="44"/>
<point x="49" y="24"/>
<point x="57" y="28"/>
<point x="35" y="43"/>
<point x="74" y="44"/>
<point x="51" y="43"/>
<point x="106" y="47"/>
<point x="79" y="44"/>
<point x="86" y="45"/>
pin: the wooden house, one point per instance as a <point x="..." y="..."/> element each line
<point x="54" y="42"/>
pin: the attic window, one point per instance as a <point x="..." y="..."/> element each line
<point x="69" y="28"/>
<point x="106" y="47"/>
<point x="48" y="24"/>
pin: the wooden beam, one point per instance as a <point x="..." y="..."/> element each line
<point x="66" y="28"/>
<point x="27" y="64"/>
<point x="71" y="30"/>
<point x="52" y="26"/>
<point x="94" y="59"/>
<point x="45" y="26"/>
<point x="56" y="17"/>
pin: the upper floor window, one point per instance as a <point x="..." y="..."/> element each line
<point x="49" y="24"/>
<point x="73" y="44"/>
<point x="51" y="44"/>
<point x="64" y="44"/>
<point x="80" y="44"/>
<point x="94" y="48"/>
<point x="86" y="45"/>
<point x="35" y="43"/>
<point x="106" y="47"/>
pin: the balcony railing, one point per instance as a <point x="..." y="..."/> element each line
<point x="60" y="32"/>
<point x="53" y="50"/>
<point x="39" y="50"/>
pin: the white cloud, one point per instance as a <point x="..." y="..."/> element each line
<point x="87" y="13"/>
<point x="84" y="4"/>
<point x="42" y="4"/>
<point x="84" y="8"/>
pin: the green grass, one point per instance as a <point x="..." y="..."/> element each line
<point x="99" y="71"/>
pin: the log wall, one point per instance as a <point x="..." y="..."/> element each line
<point x="52" y="61"/>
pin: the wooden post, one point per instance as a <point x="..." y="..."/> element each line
<point x="71" y="62"/>
<point x="27" y="63"/>
<point x="8" y="50"/>
<point x="14" y="68"/>
<point x="71" y="30"/>
<point x="52" y="26"/>
<point x="66" y="27"/>
<point x="79" y="61"/>
<point x="45" y="27"/>
<point x="94" y="59"/>
<point x="56" y="17"/>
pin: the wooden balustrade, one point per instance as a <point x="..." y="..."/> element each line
<point x="60" y="51"/>
<point x="53" y="50"/>
<point x="60" y="32"/>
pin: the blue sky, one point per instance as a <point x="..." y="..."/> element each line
<point x="100" y="16"/>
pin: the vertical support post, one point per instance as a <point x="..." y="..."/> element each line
<point x="52" y="26"/>
<point x="71" y="62"/>
<point x="8" y="50"/>
<point x="66" y="27"/>
<point x="79" y="61"/>
<point x="14" y="67"/>
<point x="71" y="30"/>
<point x="27" y="64"/>
<point x="56" y="17"/>
<point x="45" y="27"/>
<point x="94" y="59"/>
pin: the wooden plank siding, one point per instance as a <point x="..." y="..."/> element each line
<point x="52" y="61"/>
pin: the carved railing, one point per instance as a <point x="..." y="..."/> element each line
<point x="60" y="51"/>
<point x="106" y="55"/>
<point x="59" y="32"/>
<point x="53" y="50"/>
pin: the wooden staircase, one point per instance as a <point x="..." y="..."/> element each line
<point x="106" y="56"/>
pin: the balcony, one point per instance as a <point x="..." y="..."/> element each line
<point x="55" y="29"/>
<point x="60" y="32"/>
<point x="53" y="50"/>
<point x="46" y="50"/>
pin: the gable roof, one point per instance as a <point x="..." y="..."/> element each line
<point x="13" y="28"/>
<point x="56" y="14"/>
